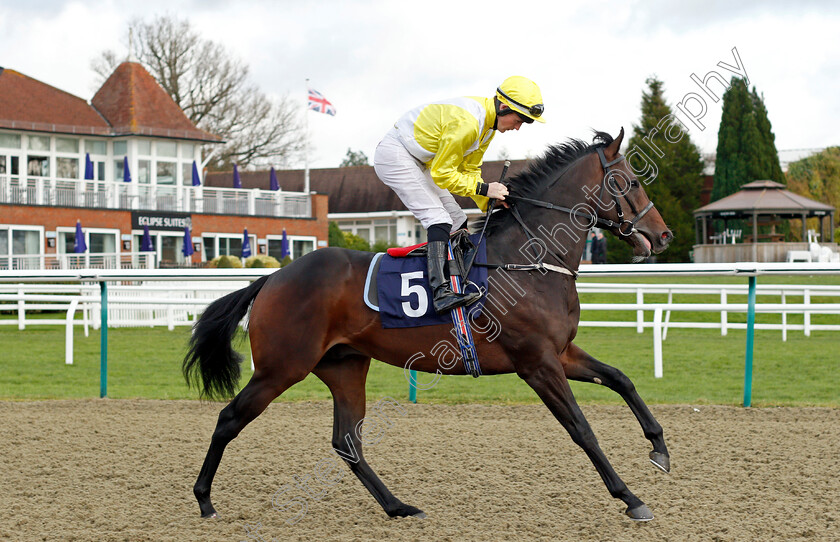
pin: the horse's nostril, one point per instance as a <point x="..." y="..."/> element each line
<point x="667" y="236"/>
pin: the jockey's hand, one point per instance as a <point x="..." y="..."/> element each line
<point x="497" y="191"/>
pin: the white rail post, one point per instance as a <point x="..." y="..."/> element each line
<point x="21" y="309"/>
<point x="657" y="343"/>
<point x="807" y="301"/>
<point x="170" y="318"/>
<point x="784" y="320"/>
<point x="640" y="314"/>
<point x="667" y="315"/>
<point x="68" y="341"/>
<point x="723" y="329"/>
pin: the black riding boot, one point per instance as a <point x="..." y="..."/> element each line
<point x="445" y="299"/>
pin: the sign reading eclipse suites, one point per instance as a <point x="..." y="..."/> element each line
<point x="160" y="221"/>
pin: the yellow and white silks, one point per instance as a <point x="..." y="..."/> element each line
<point x="434" y="150"/>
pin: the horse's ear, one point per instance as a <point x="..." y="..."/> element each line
<point x="614" y="147"/>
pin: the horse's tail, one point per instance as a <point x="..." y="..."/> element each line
<point x="211" y="364"/>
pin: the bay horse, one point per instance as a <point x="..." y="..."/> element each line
<point x="310" y="317"/>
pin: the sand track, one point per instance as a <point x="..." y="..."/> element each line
<point x="123" y="470"/>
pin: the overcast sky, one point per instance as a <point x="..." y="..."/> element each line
<point x="375" y="59"/>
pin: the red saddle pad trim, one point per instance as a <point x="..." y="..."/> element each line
<point x="401" y="252"/>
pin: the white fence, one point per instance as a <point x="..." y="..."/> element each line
<point x="175" y="297"/>
<point x="723" y="291"/>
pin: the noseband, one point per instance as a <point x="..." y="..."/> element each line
<point x="614" y="190"/>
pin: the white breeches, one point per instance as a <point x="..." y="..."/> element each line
<point x="413" y="183"/>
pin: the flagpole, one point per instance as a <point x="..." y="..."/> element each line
<point x="306" y="142"/>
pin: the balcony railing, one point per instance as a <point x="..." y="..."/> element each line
<point x="87" y="260"/>
<point x="146" y="197"/>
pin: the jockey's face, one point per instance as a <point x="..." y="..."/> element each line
<point x="511" y="121"/>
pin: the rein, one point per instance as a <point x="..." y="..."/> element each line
<point x="601" y="222"/>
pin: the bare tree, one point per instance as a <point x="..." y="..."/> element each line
<point x="213" y="89"/>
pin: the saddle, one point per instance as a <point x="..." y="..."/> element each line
<point x="396" y="287"/>
<point x="463" y="248"/>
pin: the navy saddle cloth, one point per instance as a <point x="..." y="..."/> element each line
<point x="399" y="289"/>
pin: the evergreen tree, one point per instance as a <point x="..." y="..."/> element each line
<point x="676" y="188"/>
<point x="746" y="148"/>
<point x="730" y="166"/>
<point x="336" y="236"/>
<point x="354" y="158"/>
<point x="769" y="156"/>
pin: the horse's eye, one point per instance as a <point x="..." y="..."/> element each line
<point x="634" y="183"/>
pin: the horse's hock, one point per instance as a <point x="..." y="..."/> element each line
<point x="112" y="470"/>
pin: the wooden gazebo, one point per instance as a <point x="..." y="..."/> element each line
<point x="762" y="204"/>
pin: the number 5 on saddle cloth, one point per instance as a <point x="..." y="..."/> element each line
<point x="397" y="286"/>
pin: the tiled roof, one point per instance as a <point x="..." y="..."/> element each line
<point x="29" y="104"/>
<point x="130" y="102"/>
<point x="134" y="103"/>
<point x="354" y="189"/>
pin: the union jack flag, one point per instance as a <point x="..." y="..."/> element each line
<point x="318" y="103"/>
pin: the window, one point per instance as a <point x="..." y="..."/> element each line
<point x="209" y="244"/>
<point x="230" y="246"/>
<point x="26" y="242"/>
<point x="275" y="249"/>
<point x="39" y="143"/>
<point x="67" y="240"/>
<point x="95" y="147"/>
<point x="170" y="247"/>
<point x="65" y="144"/>
<point x="166" y="172"/>
<point x="167" y="148"/>
<point x="120" y="148"/>
<point x="102" y="242"/>
<point x="144" y="171"/>
<point x="187" y="151"/>
<point x="67" y="168"/>
<point x="301" y="247"/>
<point x="227" y="246"/>
<point x="10" y="167"/>
<point x="10" y="141"/>
<point x="138" y="242"/>
<point x="38" y="166"/>
<point x="118" y="170"/>
<point x="144" y="148"/>
<point x="186" y="174"/>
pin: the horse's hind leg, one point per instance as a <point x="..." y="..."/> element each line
<point x="547" y="378"/>
<point x="578" y="365"/>
<point x="247" y="405"/>
<point x="345" y="376"/>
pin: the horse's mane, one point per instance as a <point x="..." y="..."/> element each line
<point x="541" y="173"/>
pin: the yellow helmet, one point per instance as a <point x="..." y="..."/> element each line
<point x="523" y="96"/>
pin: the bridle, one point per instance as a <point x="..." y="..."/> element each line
<point x="608" y="182"/>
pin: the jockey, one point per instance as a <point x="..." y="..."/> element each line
<point x="435" y="150"/>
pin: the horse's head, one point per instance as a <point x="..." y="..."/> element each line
<point x="621" y="200"/>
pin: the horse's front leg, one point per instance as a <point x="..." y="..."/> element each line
<point x="578" y="365"/>
<point x="547" y="378"/>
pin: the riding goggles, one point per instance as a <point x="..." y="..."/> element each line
<point x="535" y="111"/>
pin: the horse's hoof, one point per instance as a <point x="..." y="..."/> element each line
<point x="660" y="461"/>
<point x="405" y="511"/>
<point x="640" y="513"/>
<point x="211" y="515"/>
